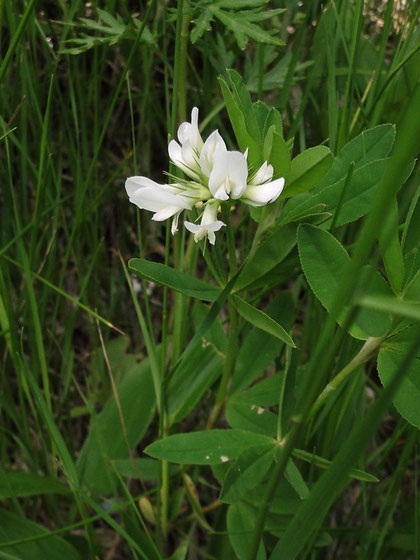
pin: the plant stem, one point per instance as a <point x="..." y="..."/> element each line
<point x="233" y="327"/>
<point x="178" y="98"/>
<point x="227" y="368"/>
<point x="366" y="352"/>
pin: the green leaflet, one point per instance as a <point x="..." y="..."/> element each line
<point x="19" y="484"/>
<point x="247" y="472"/>
<point x="14" y="527"/>
<point x="240" y="525"/>
<point x="323" y="261"/>
<point x="366" y="149"/>
<point x="391" y="356"/>
<point x="208" y="447"/>
<point x="178" y="281"/>
<point x="261" y="320"/>
<point x="307" y="170"/>
<point x="250" y="364"/>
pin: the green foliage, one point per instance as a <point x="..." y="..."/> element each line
<point x="210" y="447"/>
<point x="391" y="358"/>
<point x="241" y="17"/>
<point x="132" y="412"/>
<point x="109" y="30"/>
<point x="324" y="262"/>
<point x="307" y="170"/>
<point x="179" y="281"/>
<point x="15" y="528"/>
<point x="21" y="484"/>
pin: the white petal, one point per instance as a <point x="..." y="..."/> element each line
<point x="211" y="237"/>
<point x="174" y="226"/>
<point x="229" y="174"/>
<point x="264" y="174"/>
<point x="238" y="172"/>
<point x="177" y="154"/>
<point x="215" y="226"/>
<point x="162" y="199"/>
<point x="165" y="213"/>
<point x="189" y="131"/>
<point x="193" y="228"/>
<point x="133" y="184"/>
<point x="259" y="195"/>
<point x="212" y="145"/>
<point x="221" y="193"/>
<point x="210" y="212"/>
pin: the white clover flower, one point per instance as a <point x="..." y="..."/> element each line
<point x="228" y="176"/>
<point x="261" y="190"/>
<point x="209" y="223"/>
<point x="165" y="200"/>
<point x="215" y="174"/>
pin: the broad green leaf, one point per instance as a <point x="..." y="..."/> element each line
<point x="181" y="552"/>
<point x="394" y="262"/>
<point x="356" y="201"/>
<point x="390" y="359"/>
<point x="178" y="281"/>
<point x="411" y="240"/>
<point x="261" y="320"/>
<point x="307" y="170"/>
<point x="370" y="281"/>
<point x="268" y="255"/>
<point x="264" y="393"/>
<point x="277" y="153"/>
<point x="251" y="417"/>
<point x="285" y="500"/>
<point x="247" y="472"/>
<point x="237" y="119"/>
<point x="295" y="479"/>
<point x="16" y="527"/>
<point x="412" y="291"/>
<point x="240" y="526"/>
<point x="323" y="261"/>
<point x="325" y="463"/>
<point x="273" y="119"/>
<point x="106" y="440"/>
<point x="250" y="364"/>
<point x="371" y="145"/>
<point x="19" y="484"/>
<point x="146" y="469"/>
<point x="244" y="102"/>
<point x="402" y="308"/>
<point x="205" y="448"/>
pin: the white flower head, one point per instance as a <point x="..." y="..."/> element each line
<point x="261" y="190"/>
<point x="209" y="223"/>
<point x="186" y="154"/>
<point x="164" y="200"/>
<point x="228" y="176"/>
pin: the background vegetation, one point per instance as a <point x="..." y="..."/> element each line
<point x="89" y="92"/>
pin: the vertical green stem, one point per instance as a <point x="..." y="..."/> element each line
<point x="178" y="99"/>
<point x="230" y="359"/>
